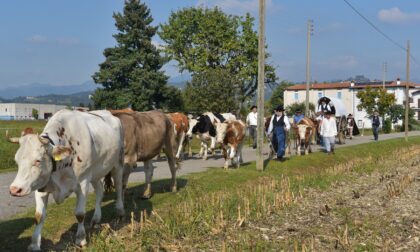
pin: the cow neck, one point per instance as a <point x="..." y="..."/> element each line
<point x="51" y="143"/>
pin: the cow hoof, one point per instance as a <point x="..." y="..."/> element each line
<point x="34" y="247"/>
<point x="82" y="243"/>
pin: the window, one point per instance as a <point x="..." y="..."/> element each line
<point x="339" y="95"/>
<point x="6" y="109"/>
<point x="319" y="95"/>
<point x="296" y="96"/>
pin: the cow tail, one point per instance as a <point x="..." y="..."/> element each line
<point x="172" y="143"/>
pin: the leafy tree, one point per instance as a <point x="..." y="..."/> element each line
<point x="131" y="74"/>
<point x="35" y="113"/>
<point x="210" y="90"/>
<point x="203" y="39"/>
<point x="292" y="108"/>
<point x="372" y="100"/>
<point x="278" y="95"/>
<point x="396" y="113"/>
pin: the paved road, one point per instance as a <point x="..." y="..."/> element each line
<point x="10" y="206"/>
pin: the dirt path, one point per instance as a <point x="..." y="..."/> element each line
<point x="10" y="206"/>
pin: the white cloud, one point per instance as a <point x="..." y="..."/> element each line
<point x="239" y="6"/>
<point x="37" y="39"/>
<point x="68" y="41"/>
<point x="396" y="16"/>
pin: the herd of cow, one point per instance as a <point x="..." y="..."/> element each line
<point x="78" y="148"/>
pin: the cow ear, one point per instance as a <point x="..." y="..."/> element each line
<point x="61" y="152"/>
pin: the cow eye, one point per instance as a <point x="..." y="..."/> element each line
<point x="37" y="163"/>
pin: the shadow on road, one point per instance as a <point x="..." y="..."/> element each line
<point x="12" y="230"/>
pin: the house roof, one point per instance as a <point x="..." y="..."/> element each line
<point x="347" y="84"/>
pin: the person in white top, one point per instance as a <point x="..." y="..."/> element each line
<point x="251" y="121"/>
<point x="278" y="128"/>
<point x="329" y="132"/>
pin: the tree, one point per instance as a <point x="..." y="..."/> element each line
<point x="277" y="97"/>
<point x="210" y="90"/>
<point x="35" y="113"/>
<point x="204" y="39"/>
<point x="292" y="108"/>
<point x="372" y="100"/>
<point x="396" y="113"/>
<point x="131" y="74"/>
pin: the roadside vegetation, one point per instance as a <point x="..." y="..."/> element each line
<point x="243" y="209"/>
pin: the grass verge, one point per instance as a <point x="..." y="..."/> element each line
<point x="208" y="207"/>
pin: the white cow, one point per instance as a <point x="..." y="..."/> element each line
<point x="75" y="149"/>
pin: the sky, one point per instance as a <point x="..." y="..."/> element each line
<point x="61" y="42"/>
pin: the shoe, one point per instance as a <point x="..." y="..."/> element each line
<point x="254" y="147"/>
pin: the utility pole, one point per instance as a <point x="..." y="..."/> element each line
<point x="308" y="64"/>
<point x="407" y="96"/>
<point x="384" y="69"/>
<point x="261" y="80"/>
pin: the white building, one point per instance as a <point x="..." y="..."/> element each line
<point x="23" y="111"/>
<point x="347" y="91"/>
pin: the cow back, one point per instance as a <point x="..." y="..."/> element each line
<point x="144" y="134"/>
<point x="204" y="125"/>
<point x="180" y="122"/>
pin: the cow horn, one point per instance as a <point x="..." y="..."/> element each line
<point x="43" y="140"/>
<point x="12" y="139"/>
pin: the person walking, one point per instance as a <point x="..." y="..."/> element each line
<point x="376" y="124"/>
<point x="350" y="125"/>
<point x="277" y="130"/>
<point x="329" y="132"/>
<point x="297" y="117"/>
<point x="251" y="121"/>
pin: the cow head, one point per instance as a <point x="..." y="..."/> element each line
<point x="221" y="129"/>
<point x="304" y="132"/>
<point x="35" y="158"/>
<point x="193" y="124"/>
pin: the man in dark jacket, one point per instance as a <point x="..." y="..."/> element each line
<point x="376" y="124"/>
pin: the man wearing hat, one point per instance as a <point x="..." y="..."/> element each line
<point x="251" y="121"/>
<point x="279" y="125"/>
<point x="297" y="117"/>
<point x="329" y="131"/>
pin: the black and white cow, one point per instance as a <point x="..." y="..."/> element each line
<point x="204" y="126"/>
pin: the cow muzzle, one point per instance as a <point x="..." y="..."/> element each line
<point x="15" y="191"/>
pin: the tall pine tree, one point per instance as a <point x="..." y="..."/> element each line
<point x="131" y="74"/>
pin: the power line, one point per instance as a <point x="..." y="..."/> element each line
<point x="379" y="30"/>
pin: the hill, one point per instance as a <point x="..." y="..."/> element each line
<point x="39" y="89"/>
<point x="72" y="99"/>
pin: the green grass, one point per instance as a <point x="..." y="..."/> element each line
<point x="196" y="192"/>
<point x="8" y="150"/>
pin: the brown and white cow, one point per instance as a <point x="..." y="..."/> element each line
<point x="74" y="150"/>
<point x="231" y="135"/>
<point x="304" y="133"/>
<point x="181" y="126"/>
<point x="145" y="135"/>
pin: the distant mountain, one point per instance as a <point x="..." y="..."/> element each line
<point x="39" y="89"/>
<point x="71" y="99"/>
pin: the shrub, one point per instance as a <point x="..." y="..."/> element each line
<point x="387" y="127"/>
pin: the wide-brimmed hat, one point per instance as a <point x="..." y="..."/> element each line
<point x="280" y="108"/>
<point x="298" y="111"/>
<point x="253" y="107"/>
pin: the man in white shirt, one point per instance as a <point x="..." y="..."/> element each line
<point x="329" y="131"/>
<point x="251" y="121"/>
<point x="278" y="128"/>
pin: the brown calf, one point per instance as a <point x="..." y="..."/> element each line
<point x="181" y="126"/>
<point x="231" y="135"/>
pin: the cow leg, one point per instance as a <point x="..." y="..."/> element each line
<point x="180" y="145"/>
<point x="240" y="160"/>
<point x="189" y="148"/>
<point x="298" y="151"/>
<point x="80" y="212"/>
<point x="118" y="174"/>
<point x="41" y="200"/>
<point x="172" y="167"/>
<point x="307" y="146"/>
<point x="201" y="153"/>
<point x="99" y="192"/>
<point x="225" y="156"/>
<point x="213" y="145"/>
<point x="126" y="173"/>
<point x="232" y="154"/>
<point x="148" y="169"/>
<point x="205" y="147"/>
